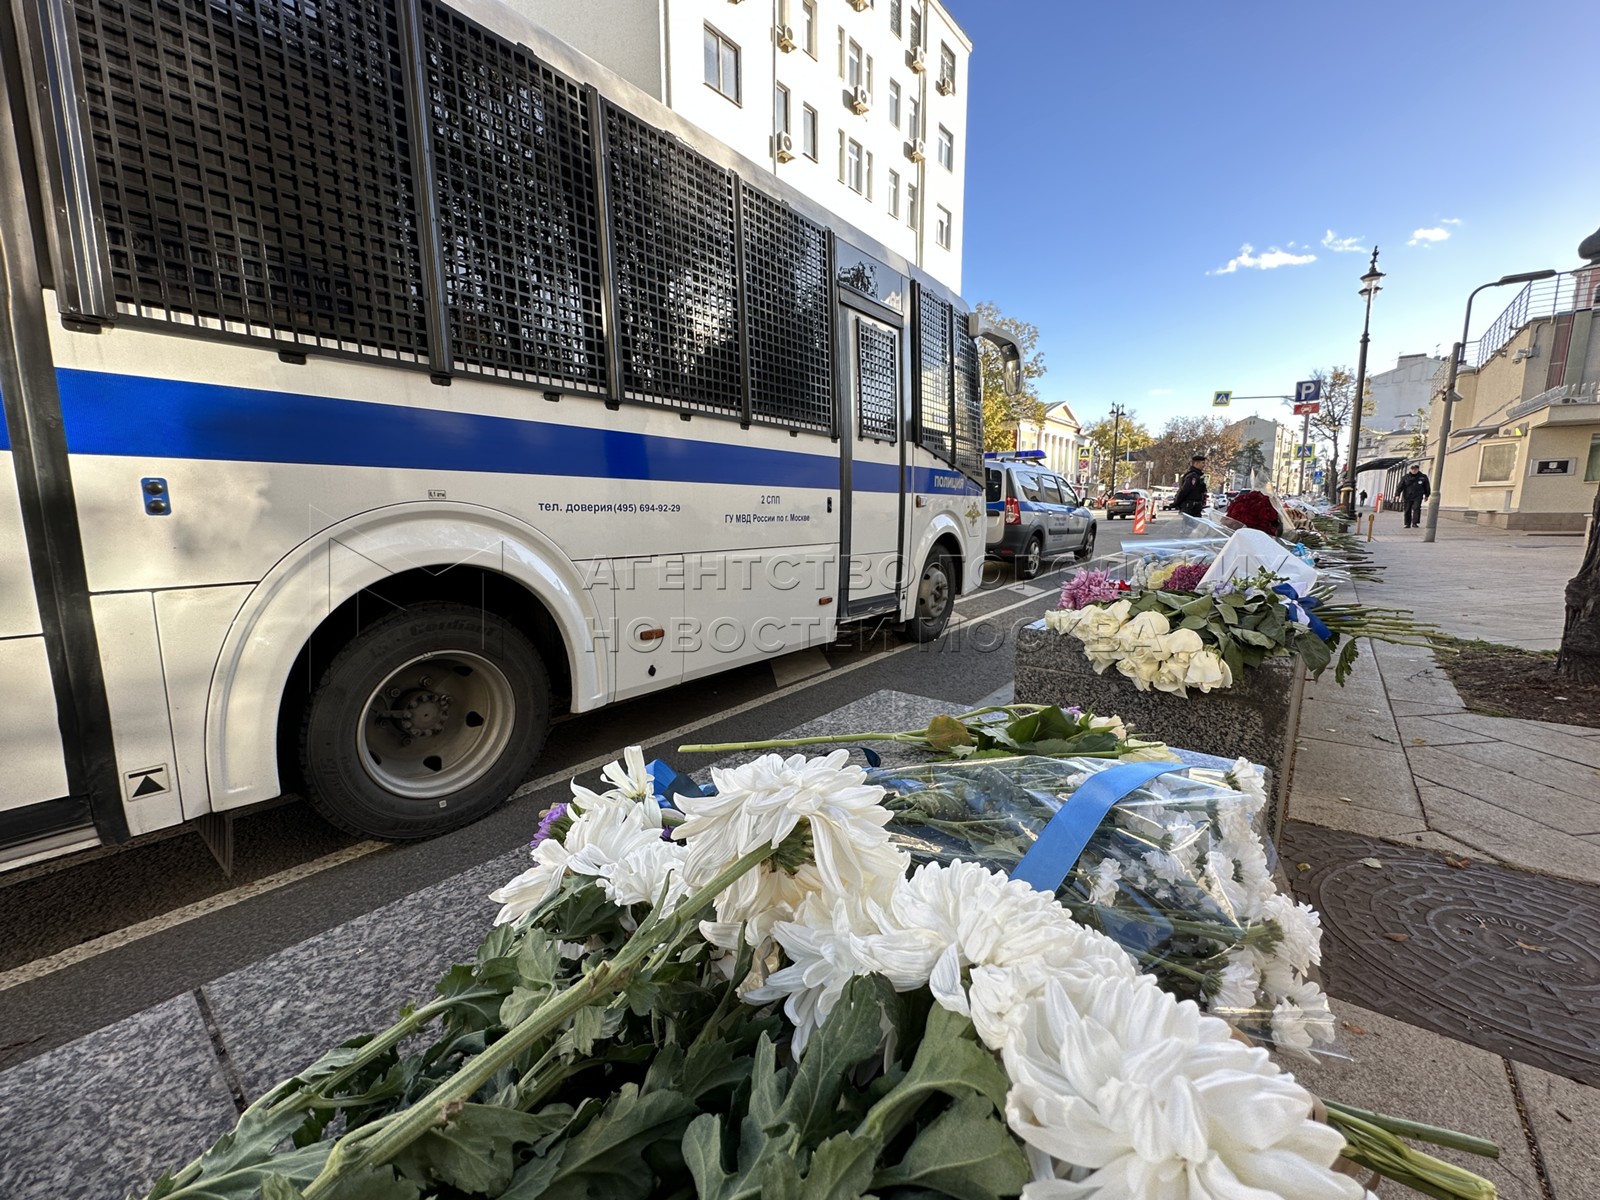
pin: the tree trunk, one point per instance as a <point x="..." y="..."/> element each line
<point x="1579" y="660"/>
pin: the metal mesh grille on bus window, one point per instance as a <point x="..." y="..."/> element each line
<point x="518" y="218"/>
<point x="879" y="381"/>
<point x="254" y="167"/>
<point x="969" y="404"/>
<point x="676" y="269"/>
<point x="786" y="296"/>
<point x="933" y="398"/>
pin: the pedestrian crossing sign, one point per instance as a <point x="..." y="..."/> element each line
<point x="1304" y="450"/>
<point x="1221" y="399"/>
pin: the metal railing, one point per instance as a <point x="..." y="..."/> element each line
<point x="1566" y="393"/>
<point x="1542" y="298"/>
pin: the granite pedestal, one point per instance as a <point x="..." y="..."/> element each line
<point x="1256" y="718"/>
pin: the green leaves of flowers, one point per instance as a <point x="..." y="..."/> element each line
<point x="1047" y="731"/>
<point x="936" y="1127"/>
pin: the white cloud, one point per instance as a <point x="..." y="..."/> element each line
<point x="1274" y="257"/>
<point x="1426" y="237"/>
<point x="1451" y="221"/>
<point x="1159" y="392"/>
<point x="1343" y="245"/>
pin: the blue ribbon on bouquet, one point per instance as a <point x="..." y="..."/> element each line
<point x="1302" y="609"/>
<point x="668" y="783"/>
<point x="1061" y="842"/>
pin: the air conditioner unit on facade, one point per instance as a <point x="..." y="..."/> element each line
<point x="786" y="40"/>
<point x="946" y="86"/>
<point x="783" y="147"/>
<point x="917" y="61"/>
<point x="916" y="150"/>
<point x="860" y="99"/>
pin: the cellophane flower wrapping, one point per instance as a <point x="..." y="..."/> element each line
<point x="1177" y="873"/>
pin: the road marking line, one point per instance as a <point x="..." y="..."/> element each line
<point x="117" y="939"/>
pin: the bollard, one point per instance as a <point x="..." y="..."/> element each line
<point x="1371" y="518"/>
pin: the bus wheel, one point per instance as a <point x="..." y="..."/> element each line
<point x="424" y="722"/>
<point x="936" y="598"/>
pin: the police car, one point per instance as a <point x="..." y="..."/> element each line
<point x="1034" y="514"/>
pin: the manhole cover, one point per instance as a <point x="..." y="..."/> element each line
<point x="1502" y="959"/>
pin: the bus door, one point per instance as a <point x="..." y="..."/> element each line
<point x="872" y="442"/>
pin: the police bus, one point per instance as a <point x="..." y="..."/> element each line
<point x="383" y="378"/>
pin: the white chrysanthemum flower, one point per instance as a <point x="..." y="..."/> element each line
<point x="606" y="831"/>
<point x="762" y="802"/>
<point x="1103" y="881"/>
<point x="1240" y="981"/>
<point x="1145" y="1097"/>
<point x="828" y="943"/>
<point x="630" y="778"/>
<point x="1302" y="931"/>
<point x="650" y="873"/>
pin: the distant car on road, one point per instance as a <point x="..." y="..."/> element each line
<point x="1034" y="514"/>
<point x="1126" y="503"/>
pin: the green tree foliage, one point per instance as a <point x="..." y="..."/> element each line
<point x="1002" y="413"/>
<point x="1133" y="438"/>
<point x="1330" y="422"/>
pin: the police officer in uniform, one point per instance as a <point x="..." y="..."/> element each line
<point x="1191" y="497"/>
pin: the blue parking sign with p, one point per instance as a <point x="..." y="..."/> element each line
<point x="1307" y="390"/>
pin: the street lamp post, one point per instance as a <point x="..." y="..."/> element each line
<point x="1117" y="413"/>
<point x="1369" y="289"/>
<point x="1431" y="524"/>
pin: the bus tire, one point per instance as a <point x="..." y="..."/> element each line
<point x="936" y="598"/>
<point x="424" y="722"/>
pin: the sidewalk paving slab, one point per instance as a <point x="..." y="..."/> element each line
<point x="1378" y="779"/>
<point x="1551" y="807"/>
<point x="1560" y="741"/>
<point x="1435" y="731"/>
<point x="104" y="1116"/>
<point x="279" y="1015"/>
<point x="1564" y="1118"/>
<point x="1401" y="1070"/>
<point x="1358" y="725"/>
<point x="1536" y="766"/>
<point x="1508" y="836"/>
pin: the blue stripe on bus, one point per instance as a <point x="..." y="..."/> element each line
<point x="136" y="416"/>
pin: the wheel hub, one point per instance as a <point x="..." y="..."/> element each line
<point x="420" y="713"/>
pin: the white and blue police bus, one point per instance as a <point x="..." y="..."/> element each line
<point x="382" y="378"/>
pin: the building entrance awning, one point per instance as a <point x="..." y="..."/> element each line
<point x="1381" y="464"/>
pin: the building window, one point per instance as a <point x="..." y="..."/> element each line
<point x="780" y="109"/>
<point x="1591" y="470"/>
<point x="808" y="132"/>
<point x="913" y="118"/>
<point x="913" y="218"/>
<point x="1497" y="463"/>
<point x="947" y="69"/>
<point x="916" y="27"/>
<point x="894" y="210"/>
<point x="947" y="149"/>
<point x="894" y="17"/>
<point x="722" y="64"/>
<point x="852" y="65"/>
<point x="808" y="26"/>
<point x="852" y="164"/>
<point x="941" y="226"/>
<point x="894" y="104"/>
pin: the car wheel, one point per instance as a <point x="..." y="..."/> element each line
<point x="1086" y="551"/>
<point x="1031" y="561"/>
<point x="936" y="598"/>
<point x="424" y="722"/>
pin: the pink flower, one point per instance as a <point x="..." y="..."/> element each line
<point x="1088" y="587"/>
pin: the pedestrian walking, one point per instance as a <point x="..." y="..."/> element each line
<point x="1191" y="497"/>
<point x="1413" y="490"/>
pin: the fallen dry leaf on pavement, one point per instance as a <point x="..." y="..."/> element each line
<point x="1373" y="863"/>
<point x="1354" y="1028"/>
<point x="1457" y="862"/>
<point x="1303" y="866"/>
<point x="1398" y="937"/>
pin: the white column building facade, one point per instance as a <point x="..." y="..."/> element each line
<point x="861" y="104"/>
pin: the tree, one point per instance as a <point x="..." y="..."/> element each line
<point x="1417" y="445"/>
<point x="1184" y="437"/>
<point x="1131" y="438"/>
<point x="1002" y="413"/>
<point x="1249" y="463"/>
<point x="1338" y="394"/>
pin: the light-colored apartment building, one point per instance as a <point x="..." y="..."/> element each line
<point x="861" y="104"/>
<point x="1277" y="440"/>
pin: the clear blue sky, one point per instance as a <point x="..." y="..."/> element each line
<point x="1121" y="156"/>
